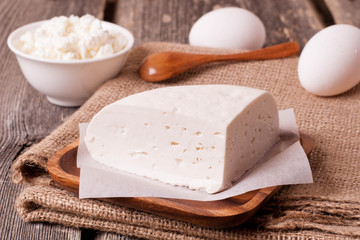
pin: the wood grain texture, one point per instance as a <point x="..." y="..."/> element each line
<point x="25" y="115"/>
<point x="172" y="20"/>
<point x="344" y="11"/>
<point x="224" y="213"/>
<point x="164" y="65"/>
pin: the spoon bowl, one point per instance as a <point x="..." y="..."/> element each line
<point x="161" y="66"/>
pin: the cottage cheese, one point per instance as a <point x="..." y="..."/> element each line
<point x="203" y="137"/>
<point x="72" y="38"/>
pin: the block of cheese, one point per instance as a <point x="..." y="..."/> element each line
<point x="203" y="137"/>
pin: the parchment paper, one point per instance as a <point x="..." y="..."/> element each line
<point x="286" y="163"/>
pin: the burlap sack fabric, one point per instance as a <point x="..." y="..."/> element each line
<point x="329" y="208"/>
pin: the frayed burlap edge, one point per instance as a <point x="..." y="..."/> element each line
<point x="32" y="163"/>
<point x="283" y="217"/>
<point x="37" y="204"/>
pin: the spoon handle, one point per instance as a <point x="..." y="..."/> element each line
<point x="164" y="65"/>
<point x="273" y="52"/>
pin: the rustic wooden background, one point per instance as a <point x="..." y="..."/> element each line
<point x="26" y="116"/>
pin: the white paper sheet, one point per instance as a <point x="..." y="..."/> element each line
<point x="286" y="163"/>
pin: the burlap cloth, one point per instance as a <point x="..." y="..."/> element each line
<point x="329" y="208"/>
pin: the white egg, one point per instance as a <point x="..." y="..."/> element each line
<point x="330" y="62"/>
<point x="230" y="28"/>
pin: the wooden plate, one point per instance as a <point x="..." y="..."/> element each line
<point x="220" y="214"/>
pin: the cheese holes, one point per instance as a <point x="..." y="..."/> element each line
<point x="121" y="131"/>
<point x="253" y="153"/>
<point x="197" y="160"/>
<point x="136" y="154"/>
<point x="179" y="161"/>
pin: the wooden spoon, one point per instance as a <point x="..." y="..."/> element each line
<point x="164" y="65"/>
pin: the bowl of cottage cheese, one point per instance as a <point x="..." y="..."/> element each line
<point x="68" y="58"/>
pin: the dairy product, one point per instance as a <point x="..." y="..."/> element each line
<point x="202" y="137"/>
<point x="72" y="38"/>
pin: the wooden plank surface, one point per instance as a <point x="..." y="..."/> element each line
<point x="26" y="116"/>
<point x="172" y="20"/>
<point x="344" y="12"/>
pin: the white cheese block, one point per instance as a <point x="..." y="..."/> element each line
<point x="203" y="137"/>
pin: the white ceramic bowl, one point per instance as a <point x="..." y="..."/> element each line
<point x="69" y="82"/>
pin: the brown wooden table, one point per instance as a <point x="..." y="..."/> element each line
<point x="26" y="116"/>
